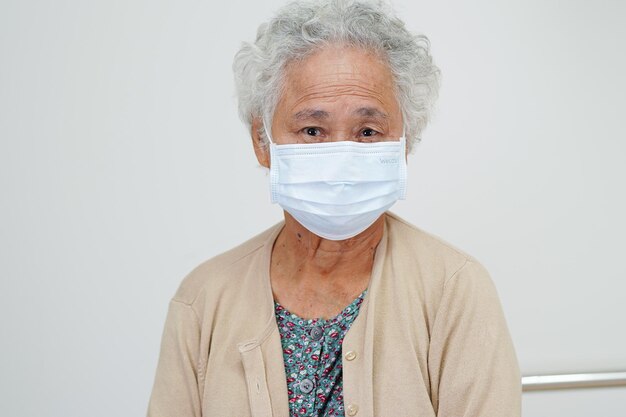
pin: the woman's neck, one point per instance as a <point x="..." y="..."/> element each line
<point x="315" y="277"/>
<point x="321" y="258"/>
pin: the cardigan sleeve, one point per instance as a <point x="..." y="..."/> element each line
<point x="175" y="392"/>
<point x="472" y="362"/>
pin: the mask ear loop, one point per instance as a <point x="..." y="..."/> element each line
<point x="402" y="165"/>
<point x="273" y="171"/>
<point x="267" y="133"/>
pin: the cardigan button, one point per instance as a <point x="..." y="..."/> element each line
<point x="350" y="356"/>
<point x="352" y="409"/>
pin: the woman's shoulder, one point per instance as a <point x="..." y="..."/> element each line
<point x="436" y="259"/>
<point x="421" y="242"/>
<point x="432" y="260"/>
<point x="221" y="270"/>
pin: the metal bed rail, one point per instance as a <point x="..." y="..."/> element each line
<point x="574" y="381"/>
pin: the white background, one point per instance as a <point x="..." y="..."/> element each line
<point x="123" y="165"/>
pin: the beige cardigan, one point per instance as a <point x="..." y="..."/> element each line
<point x="430" y="338"/>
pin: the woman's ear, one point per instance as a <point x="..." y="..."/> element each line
<point x="261" y="149"/>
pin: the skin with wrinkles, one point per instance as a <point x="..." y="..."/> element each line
<point x="338" y="93"/>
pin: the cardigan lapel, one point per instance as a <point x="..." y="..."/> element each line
<point x="358" y="374"/>
<point x="262" y="356"/>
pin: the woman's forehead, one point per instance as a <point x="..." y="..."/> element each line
<point x="339" y="74"/>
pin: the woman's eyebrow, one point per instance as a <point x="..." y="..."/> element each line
<point x="318" y="114"/>
<point x="307" y="114"/>
<point x="371" y="112"/>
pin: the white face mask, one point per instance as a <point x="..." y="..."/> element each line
<point x="337" y="189"/>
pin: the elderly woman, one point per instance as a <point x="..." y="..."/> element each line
<point x="343" y="308"/>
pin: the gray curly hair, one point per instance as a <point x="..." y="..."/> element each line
<point x="302" y="27"/>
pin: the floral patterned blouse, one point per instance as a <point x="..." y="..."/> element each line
<point x="312" y="356"/>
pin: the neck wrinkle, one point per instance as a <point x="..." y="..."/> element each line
<point x="323" y="256"/>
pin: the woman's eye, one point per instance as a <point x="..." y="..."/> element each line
<point x="368" y="132"/>
<point x="312" y="131"/>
